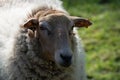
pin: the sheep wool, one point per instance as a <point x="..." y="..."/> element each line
<point x="19" y="55"/>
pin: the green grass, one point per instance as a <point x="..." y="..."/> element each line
<point x="101" y="40"/>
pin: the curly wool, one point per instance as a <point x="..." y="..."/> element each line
<point x="17" y="58"/>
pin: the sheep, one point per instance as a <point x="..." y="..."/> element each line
<point x="38" y="41"/>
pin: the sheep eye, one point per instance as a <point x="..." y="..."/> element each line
<point x="72" y="27"/>
<point x="44" y="26"/>
<point x="71" y="30"/>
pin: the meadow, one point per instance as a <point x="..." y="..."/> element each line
<point x="101" y="40"/>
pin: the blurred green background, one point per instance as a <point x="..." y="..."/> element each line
<point x="101" y="40"/>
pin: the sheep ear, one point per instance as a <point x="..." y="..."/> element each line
<point x="31" y="24"/>
<point x="80" y="22"/>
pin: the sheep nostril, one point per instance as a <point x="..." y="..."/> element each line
<point x="66" y="58"/>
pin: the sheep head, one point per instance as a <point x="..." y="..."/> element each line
<point x="54" y="32"/>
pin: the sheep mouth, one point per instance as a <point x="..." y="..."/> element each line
<point x="65" y="64"/>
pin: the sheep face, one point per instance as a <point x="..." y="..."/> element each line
<point x="54" y="32"/>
